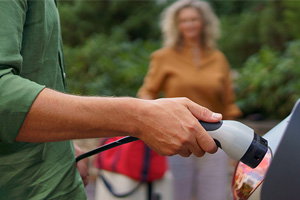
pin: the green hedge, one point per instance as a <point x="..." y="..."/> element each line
<point x="108" y="44"/>
<point x="269" y="82"/>
<point x="108" y="65"/>
<point x="82" y="19"/>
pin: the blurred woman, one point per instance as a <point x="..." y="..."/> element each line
<point x="190" y="65"/>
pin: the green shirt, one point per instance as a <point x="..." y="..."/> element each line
<point x="31" y="58"/>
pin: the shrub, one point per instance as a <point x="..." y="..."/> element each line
<point x="269" y="82"/>
<point x="263" y="23"/>
<point x="82" y="19"/>
<point x="108" y="65"/>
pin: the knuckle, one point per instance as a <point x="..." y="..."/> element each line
<point x="177" y="149"/>
<point x="192" y="126"/>
<point x="185" y="99"/>
<point x="173" y="150"/>
<point x="191" y="129"/>
<point x="185" y="140"/>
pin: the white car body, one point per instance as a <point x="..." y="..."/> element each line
<point x="282" y="175"/>
<point x="273" y="137"/>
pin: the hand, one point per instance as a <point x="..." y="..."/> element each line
<point x="170" y="126"/>
<point x="82" y="166"/>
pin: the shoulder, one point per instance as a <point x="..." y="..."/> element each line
<point x="217" y="54"/>
<point x="163" y="53"/>
<point x="219" y="57"/>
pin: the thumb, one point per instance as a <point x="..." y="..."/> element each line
<point x="203" y="113"/>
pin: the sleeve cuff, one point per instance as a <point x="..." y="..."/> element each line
<point x="16" y="97"/>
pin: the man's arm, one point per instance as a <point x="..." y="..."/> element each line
<point x="169" y="126"/>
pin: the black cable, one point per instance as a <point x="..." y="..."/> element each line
<point x="119" y="142"/>
<point x="127" y="139"/>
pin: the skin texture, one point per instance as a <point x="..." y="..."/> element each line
<point x="168" y="126"/>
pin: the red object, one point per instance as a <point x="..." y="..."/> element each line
<point x="246" y="180"/>
<point x="133" y="159"/>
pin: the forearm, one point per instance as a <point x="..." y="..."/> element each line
<point x="56" y="116"/>
<point x="168" y="126"/>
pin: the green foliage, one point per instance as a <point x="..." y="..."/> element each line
<point x="108" y="65"/>
<point x="264" y="23"/>
<point x="269" y="82"/>
<point x="82" y="19"/>
<point x="291" y="15"/>
<point x="233" y="7"/>
<point x="108" y="44"/>
<point x="239" y="37"/>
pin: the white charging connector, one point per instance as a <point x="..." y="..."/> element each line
<point x="238" y="141"/>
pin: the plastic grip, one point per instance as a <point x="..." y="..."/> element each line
<point x="209" y="126"/>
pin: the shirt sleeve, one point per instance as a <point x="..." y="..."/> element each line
<point x="153" y="81"/>
<point x="231" y="110"/>
<point x="16" y="93"/>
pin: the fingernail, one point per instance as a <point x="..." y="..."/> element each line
<point x="217" y="116"/>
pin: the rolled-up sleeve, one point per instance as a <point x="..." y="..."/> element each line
<point x="16" y="93"/>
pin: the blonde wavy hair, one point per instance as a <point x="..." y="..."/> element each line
<point x="171" y="35"/>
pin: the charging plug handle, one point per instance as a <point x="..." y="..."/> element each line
<point x="254" y="146"/>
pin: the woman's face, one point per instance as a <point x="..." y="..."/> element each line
<point x="189" y="23"/>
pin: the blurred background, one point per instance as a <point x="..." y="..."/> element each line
<point x="107" y="45"/>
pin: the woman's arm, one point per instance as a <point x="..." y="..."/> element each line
<point x="153" y="81"/>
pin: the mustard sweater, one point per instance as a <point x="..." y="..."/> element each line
<point x="176" y="74"/>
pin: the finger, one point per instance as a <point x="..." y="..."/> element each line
<point x="202" y="142"/>
<point x="194" y="147"/>
<point x="197" y="150"/>
<point x="185" y="153"/>
<point x="203" y="113"/>
<point x="205" y="141"/>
